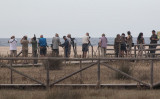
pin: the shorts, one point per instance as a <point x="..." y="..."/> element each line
<point x="43" y="50"/>
<point x="13" y="53"/>
<point x="25" y="53"/>
<point x="85" y="47"/>
<point x="123" y="47"/>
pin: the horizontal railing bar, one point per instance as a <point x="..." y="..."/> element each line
<point x="76" y="59"/>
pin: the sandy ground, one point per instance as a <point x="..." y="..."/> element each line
<point x="4" y="51"/>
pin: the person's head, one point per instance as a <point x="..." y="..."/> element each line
<point x="140" y="35"/>
<point x="34" y="38"/>
<point x="103" y="34"/>
<point x="12" y="37"/>
<point x="25" y="37"/>
<point x="153" y="32"/>
<point x="56" y="35"/>
<point x="41" y="36"/>
<point x="64" y="37"/>
<point x="129" y="33"/>
<point x="123" y="34"/>
<point x="118" y="35"/>
<point x="87" y="34"/>
<point x="69" y="35"/>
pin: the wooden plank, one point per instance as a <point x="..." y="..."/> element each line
<point x="151" y="75"/>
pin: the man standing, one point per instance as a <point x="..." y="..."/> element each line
<point x="13" y="46"/>
<point x="85" y="43"/>
<point x="103" y="44"/>
<point x="65" y="45"/>
<point x="154" y="40"/>
<point x="34" y="48"/>
<point x="55" y="45"/>
<point x="42" y="44"/>
<point x="24" y="43"/>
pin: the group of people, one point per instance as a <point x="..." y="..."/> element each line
<point x="123" y="45"/>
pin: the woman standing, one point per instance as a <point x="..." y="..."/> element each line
<point x="117" y="42"/>
<point x="140" y="42"/>
<point x="129" y="43"/>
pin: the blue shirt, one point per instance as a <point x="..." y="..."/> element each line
<point x="42" y="42"/>
<point x="65" y="44"/>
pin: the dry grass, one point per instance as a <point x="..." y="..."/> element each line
<point x="140" y="70"/>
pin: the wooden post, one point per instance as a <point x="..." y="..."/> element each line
<point x="80" y="64"/>
<point x="134" y="50"/>
<point x="151" y="75"/>
<point x="76" y="49"/>
<point x="98" y="52"/>
<point x="47" y="85"/>
<point x="98" y="73"/>
<point x="92" y="53"/>
<point x="11" y="72"/>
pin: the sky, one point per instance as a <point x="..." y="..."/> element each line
<point x="47" y="17"/>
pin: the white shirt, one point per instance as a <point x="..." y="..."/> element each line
<point x="13" y="44"/>
<point x="69" y="40"/>
<point x="85" y="40"/>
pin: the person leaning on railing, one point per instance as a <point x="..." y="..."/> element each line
<point x="153" y="39"/>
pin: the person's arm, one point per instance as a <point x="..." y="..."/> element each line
<point x="21" y="41"/>
<point x="157" y="38"/>
<point x="88" y="40"/>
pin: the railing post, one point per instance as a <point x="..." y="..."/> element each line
<point x="11" y="72"/>
<point x="135" y="51"/>
<point x="151" y="75"/>
<point x="92" y="53"/>
<point x="98" y="73"/>
<point x="47" y="86"/>
<point x="80" y="64"/>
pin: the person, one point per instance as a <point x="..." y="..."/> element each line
<point x="70" y="43"/>
<point x="34" y="48"/>
<point x="129" y="43"/>
<point x="13" y="46"/>
<point x="117" y="45"/>
<point x="55" y="45"/>
<point x="43" y="46"/>
<point x="24" y="43"/>
<point x="85" y="43"/>
<point x="140" y="42"/>
<point x="123" y="45"/>
<point x="103" y="44"/>
<point x="153" y="40"/>
<point x="66" y="46"/>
